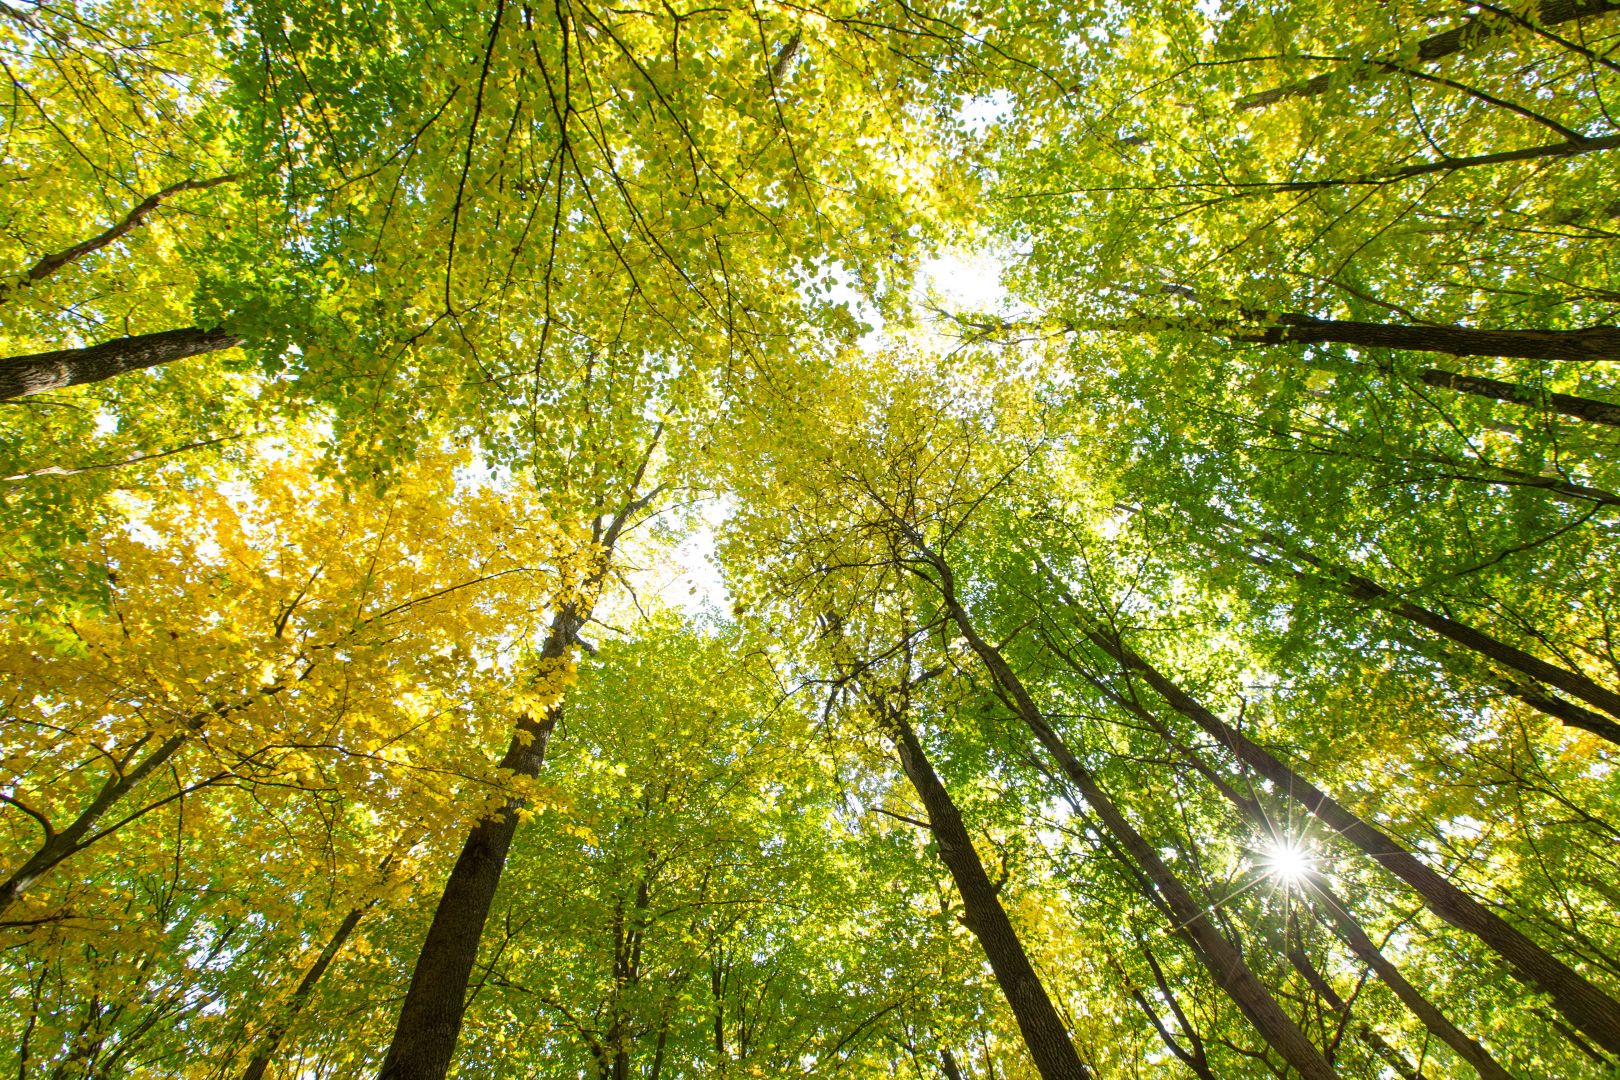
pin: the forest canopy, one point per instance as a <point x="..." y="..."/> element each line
<point x="809" y="538"/>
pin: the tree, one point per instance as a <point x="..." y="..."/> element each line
<point x="529" y="547"/>
<point x="430" y="1019"/>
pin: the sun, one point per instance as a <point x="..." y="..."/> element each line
<point x="1287" y="861"/>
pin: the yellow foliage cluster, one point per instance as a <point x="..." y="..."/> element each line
<point x="345" y="660"/>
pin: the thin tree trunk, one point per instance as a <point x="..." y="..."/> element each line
<point x="1195" y="1058"/>
<point x="1223" y="961"/>
<point x="430" y="1019"/>
<point x="1244" y="189"/>
<point x="1585" y="1005"/>
<point x="1392" y="1057"/>
<point x="1432" y="48"/>
<point x="1045" y="1034"/>
<point x="1588" y="409"/>
<point x="1349" y="928"/>
<point x="1535" y="696"/>
<point x="1504" y="476"/>
<point x="657" y="1069"/>
<point x="53" y="262"/>
<point x="717" y="984"/>
<point x="271" y="1041"/>
<point x="1347" y="925"/>
<point x="38" y="372"/>
<point x="948" y="1066"/>
<point x="60" y="845"/>
<point x="1363" y="588"/>
<point x="1582" y="345"/>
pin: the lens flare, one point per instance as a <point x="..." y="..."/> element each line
<point x="1287" y="861"/>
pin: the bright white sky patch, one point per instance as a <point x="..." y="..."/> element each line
<point x="980" y="112"/>
<point x="691" y="575"/>
<point x="684" y="576"/>
<point x="967" y="281"/>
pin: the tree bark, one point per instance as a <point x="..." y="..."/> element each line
<point x="430" y="1019"/>
<point x="1349" y="928"/>
<point x="1582" y="345"/>
<point x="1392" y="1057"/>
<point x="271" y="1041"/>
<point x="1296" y="328"/>
<point x="1045" y="1034"/>
<point x="1432" y="48"/>
<point x="37" y="372"/>
<point x="1223" y="961"/>
<point x="1589" y="1008"/>
<point x="1588" y="409"/>
<point x="1575" y="147"/>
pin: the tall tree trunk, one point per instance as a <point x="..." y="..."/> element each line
<point x="1044" y="1032"/>
<point x="1359" y="587"/>
<point x="1435" y="47"/>
<point x="1586" y="344"/>
<point x="270" y="1042"/>
<point x="1223" y="961"/>
<point x="1347" y="925"/>
<point x="1296" y="328"/>
<point x="38" y="372"/>
<point x="657" y="1069"/>
<point x="1241" y="189"/>
<point x="1589" y="1008"/>
<point x="1392" y="1057"/>
<point x="430" y="1019"/>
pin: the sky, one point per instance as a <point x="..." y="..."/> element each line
<point x="687" y="577"/>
